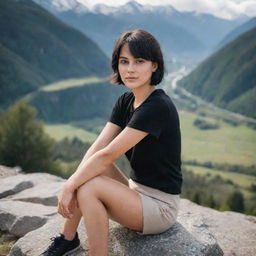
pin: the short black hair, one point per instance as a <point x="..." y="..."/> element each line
<point x="143" y="45"/>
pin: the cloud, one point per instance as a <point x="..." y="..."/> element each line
<point x="222" y="8"/>
<point x="227" y="9"/>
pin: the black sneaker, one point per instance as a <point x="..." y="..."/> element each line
<point x="60" y="246"/>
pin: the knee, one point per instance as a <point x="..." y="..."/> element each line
<point x="89" y="188"/>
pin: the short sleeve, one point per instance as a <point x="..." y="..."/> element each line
<point x="148" y="118"/>
<point x="116" y="115"/>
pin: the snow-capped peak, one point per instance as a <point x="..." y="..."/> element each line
<point x="64" y="5"/>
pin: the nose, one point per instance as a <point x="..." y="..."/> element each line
<point x="130" y="67"/>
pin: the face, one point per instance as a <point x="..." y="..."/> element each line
<point x="134" y="72"/>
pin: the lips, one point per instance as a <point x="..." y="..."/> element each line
<point x="131" y="77"/>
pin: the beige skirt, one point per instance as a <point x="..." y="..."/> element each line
<point x="160" y="209"/>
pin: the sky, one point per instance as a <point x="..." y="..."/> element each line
<point x="227" y="9"/>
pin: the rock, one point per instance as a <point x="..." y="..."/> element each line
<point x="19" y="218"/>
<point x="40" y="242"/>
<point x="9" y="171"/>
<point x="175" y="241"/>
<point x="235" y="232"/>
<point x="46" y="194"/>
<point x="123" y="242"/>
<point x="198" y="231"/>
<point x="14" y="184"/>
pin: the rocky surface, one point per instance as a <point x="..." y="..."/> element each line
<point x="29" y="211"/>
<point x="14" y="184"/>
<point x="40" y="194"/>
<point x="19" y="218"/>
<point x="8" y="171"/>
<point x="124" y="242"/>
<point x="235" y="232"/>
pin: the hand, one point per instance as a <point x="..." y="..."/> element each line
<point x="67" y="201"/>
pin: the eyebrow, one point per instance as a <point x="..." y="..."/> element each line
<point x="127" y="58"/>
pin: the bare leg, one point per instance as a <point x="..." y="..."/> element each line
<point x="96" y="224"/>
<point x="70" y="226"/>
<point x="102" y="198"/>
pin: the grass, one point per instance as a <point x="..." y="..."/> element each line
<point x="6" y="242"/>
<point x="242" y="180"/>
<point x="67" y="83"/>
<point x="60" y="131"/>
<point x="228" y="144"/>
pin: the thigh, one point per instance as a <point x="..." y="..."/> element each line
<point x="123" y="204"/>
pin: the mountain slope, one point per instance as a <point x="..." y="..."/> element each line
<point x="76" y="103"/>
<point x="227" y="78"/>
<point x="231" y="36"/>
<point x="37" y="48"/>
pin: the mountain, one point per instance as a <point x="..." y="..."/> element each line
<point x="76" y="103"/>
<point x="227" y="78"/>
<point x="36" y="49"/>
<point x="185" y="34"/>
<point x="237" y="32"/>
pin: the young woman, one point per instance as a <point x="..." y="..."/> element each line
<point x="143" y="125"/>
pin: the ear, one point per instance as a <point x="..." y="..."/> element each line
<point x="154" y="66"/>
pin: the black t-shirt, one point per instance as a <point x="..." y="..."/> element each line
<point x="156" y="159"/>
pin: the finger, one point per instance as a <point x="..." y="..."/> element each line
<point x="59" y="209"/>
<point x="62" y="211"/>
<point x="66" y="211"/>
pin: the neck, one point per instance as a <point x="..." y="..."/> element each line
<point x="141" y="94"/>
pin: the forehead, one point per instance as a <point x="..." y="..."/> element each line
<point x="125" y="51"/>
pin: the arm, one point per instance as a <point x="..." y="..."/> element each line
<point x="96" y="164"/>
<point x="109" y="132"/>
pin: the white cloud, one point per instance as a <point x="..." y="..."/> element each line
<point x="222" y="8"/>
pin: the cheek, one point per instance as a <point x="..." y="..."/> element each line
<point x="147" y="72"/>
<point x="121" y="70"/>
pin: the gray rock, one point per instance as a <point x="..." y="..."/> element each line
<point x="45" y="193"/>
<point x="235" y="232"/>
<point x="35" y="242"/>
<point x="14" y="184"/>
<point x="10" y="186"/>
<point x="123" y="242"/>
<point x="199" y="230"/>
<point x="19" y="218"/>
<point x="9" y="171"/>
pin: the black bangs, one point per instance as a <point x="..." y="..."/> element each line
<point x="140" y="48"/>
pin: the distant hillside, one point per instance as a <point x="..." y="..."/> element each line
<point x="237" y="32"/>
<point x="36" y="49"/>
<point x="64" y="103"/>
<point x="227" y="78"/>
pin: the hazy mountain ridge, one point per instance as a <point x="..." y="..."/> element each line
<point x="181" y="33"/>
<point x="237" y="32"/>
<point x="37" y="48"/>
<point x="227" y="78"/>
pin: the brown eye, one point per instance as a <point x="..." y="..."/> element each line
<point x="123" y="61"/>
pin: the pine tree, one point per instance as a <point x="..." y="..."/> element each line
<point x="210" y="201"/>
<point x="196" y="197"/>
<point x="23" y="142"/>
<point x="236" y="201"/>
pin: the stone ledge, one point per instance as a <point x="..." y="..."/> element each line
<point x="122" y="242"/>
